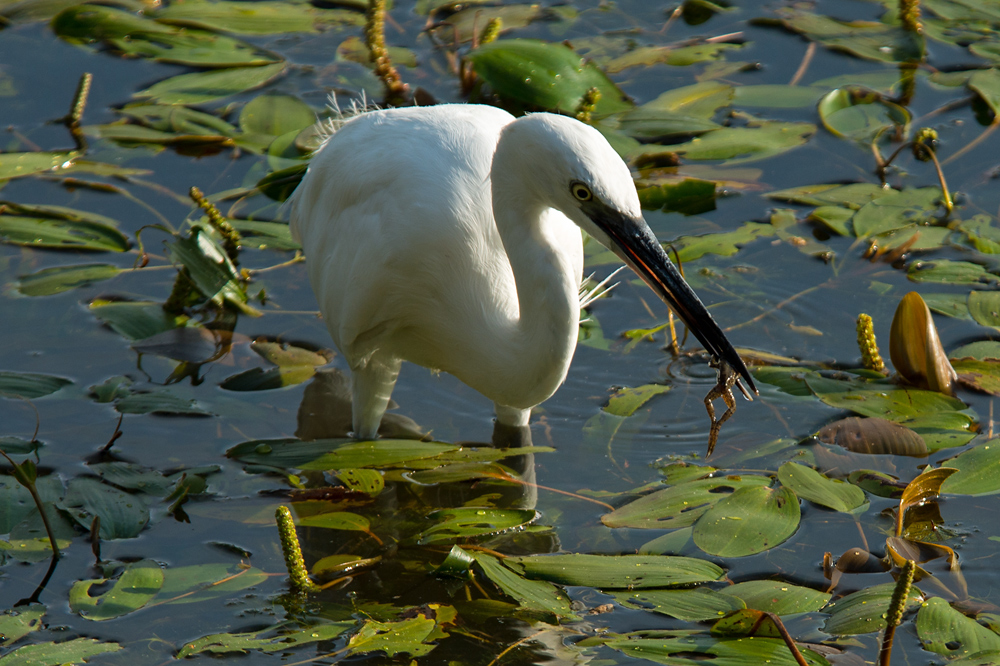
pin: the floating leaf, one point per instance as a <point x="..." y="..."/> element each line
<point x="669" y="55"/>
<point x="76" y="651"/>
<point x="137" y="585"/>
<point x="28" y="385"/>
<point x="194" y="584"/>
<point x="852" y="196"/>
<point x="135" y="320"/>
<point x="379" y="454"/>
<point x="978" y="471"/>
<point x="897" y="210"/>
<point x="873" y="435"/>
<point x="617" y="571"/>
<point x="272" y="639"/>
<point x="986" y="84"/>
<point x="915" y="348"/>
<point x="16" y="165"/>
<point x="260" y="379"/>
<point x="863" y="612"/>
<point x="123" y="516"/>
<point x="949" y="272"/>
<point x="530" y="594"/>
<point x="912" y="407"/>
<point x="265" y="235"/>
<point x="544" y="75"/>
<point x="336" y="520"/>
<point x="944" y="630"/>
<point x="58" y="227"/>
<point x="949" y="305"/>
<point x="159" y="401"/>
<point x="697" y="605"/>
<point x="776" y="597"/>
<point x="749" y="521"/>
<point x="680" y="505"/>
<point x="201" y="87"/>
<point x="210" y="269"/>
<point x="725" y="244"/>
<point x="392" y="638"/>
<point x="776" y="96"/>
<point x="274" y="115"/>
<point x="673" y="651"/>
<point x="861" y="115"/>
<point x="979" y="375"/>
<point x="368" y="481"/>
<point x="472" y="521"/>
<point x="285" y="354"/>
<point x="133" y="477"/>
<point x="984" y="306"/>
<point x="809" y="484"/>
<point x="257" y="18"/>
<point x="15" y="625"/>
<point x="56" y="280"/>
<point x="627" y="401"/>
<point x="866" y="39"/>
<point x="758" y="140"/>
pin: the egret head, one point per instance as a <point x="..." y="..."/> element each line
<point x="571" y="167"/>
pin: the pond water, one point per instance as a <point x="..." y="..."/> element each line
<point x="183" y="432"/>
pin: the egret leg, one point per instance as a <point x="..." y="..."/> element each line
<point x="511" y="416"/>
<point x="373" y="384"/>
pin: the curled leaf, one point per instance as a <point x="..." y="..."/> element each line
<point x="915" y="348"/>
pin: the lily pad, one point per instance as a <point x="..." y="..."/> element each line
<point x="75" y="651"/>
<point x="946" y="271"/>
<point x="696" y="605"/>
<point x="272" y="639"/>
<point x="896" y="210"/>
<point x="123" y="516"/>
<point x="671" y="651"/>
<point x="749" y="521"/>
<point x="336" y="520"/>
<point x="617" y="571"/>
<point x="134" y="588"/>
<point x="379" y="454"/>
<point x="201" y="87"/>
<point x="680" y="505"/>
<point x="159" y="401"/>
<point x="135" y="320"/>
<point x="978" y="471"/>
<point x="57" y="227"/>
<point x="535" y="595"/>
<point x="56" y="280"/>
<point x="863" y="612"/>
<point x="777" y="597"/>
<point x="809" y="484"/>
<point x="944" y="630"/>
<point x="862" y="115"/>
<point x="275" y="115"/>
<point x="758" y="140"/>
<point x="28" y="386"/>
<point x="256" y="18"/>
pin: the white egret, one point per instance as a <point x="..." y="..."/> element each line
<point x="448" y="236"/>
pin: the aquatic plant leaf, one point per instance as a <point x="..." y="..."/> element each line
<point x="28" y="385"/>
<point x="135" y="320"/>
<point x="915" y="348"/>
<point x="473" y="521"/>
<point x="773" y="596"/>
<point x="261" y="379"/>
<point x="202" y="87"/>
<point x="699" y="100"/>
<point x="986" y="84"/>
<point x="123" y="516"/>
<point x="617" y="571"/>
<point x="336" y="520"/>
<point x="873" y="435"/>
<point x="946" y="631"/>
<point x="458" y="564"/>
<point x="749" y="521"/>
<point x="979" y="375"/>
<point x="877" y="483"/>
<point x="946" y="271"/>
<point x="949" y="305"/>
<point x="680" y="505"/>
<point x="689" y="196"/>
<point x="696" y="605"/>
<point x="16" y="165"/>
<point x="852" y="196"/>
<point x="257" y="18"/>
<point x="674" y="651"/>
<point x="773" y="96"/>
<point x="49" y="281"/>
<point x="861" y="115"/>
<point x="178" y="119"/>
<point x="159" y="401"/>
<point x="540" y="74"/>
<point x="272" y="639"/>
<point x="896" y="210"/>
<point x="368" y="481"/>
<point x="657" y="124"/>
<point x="809" y="484"/>
<point x="134" y="588"/>
<point x="978" y="471"/>
<point x="923" y="488"/>
<point x="378" y="454"/>
<point x="534" y="595"/>
<point x="133" y="477"/>
<point x="76" y="651"/>
<point x="392" y="638"/>
<point x="58" y="227"/>
<point x="210" y="269"/>
<point x="275" y="115"/>
<point x="265" y="235"/>
<point x="682" y="56"/>
<point x="863" y="612"/>
<point x="984" y="306"/>
<point x="866" y="39"/>
<point x="355" y="50"/>
<point x="897" y="404"/>
<point x="758" y="140"/>
<point x="725" y="244"/>
<point x="200" y="582"/>
<point x="628" y="400"/>
<point x="15" y="625"/>
<point x="15" y="504"/>
<point x="466" y="22"/>
<point x="286" y="354"/>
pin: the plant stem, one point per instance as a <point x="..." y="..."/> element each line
<point x="76" y="111"/>
<point x="29" y="483"/>
<point x="895" y="613"/>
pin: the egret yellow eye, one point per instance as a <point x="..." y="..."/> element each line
<point x="581" y="192"/>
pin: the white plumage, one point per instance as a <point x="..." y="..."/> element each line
<point x="448" y="236"/>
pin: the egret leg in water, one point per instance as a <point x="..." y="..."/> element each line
<point x="449" y="236"/>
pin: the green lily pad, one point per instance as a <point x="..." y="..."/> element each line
<point x="689" y="196"/>
<point x="617" y="571"/>
<point x="134" y="588"/>
<point x="866" y="39"/>
<point x="978" y="471"/>
<point x="697" y="605"/>
<point x="75" y="651"/>
<point x="944" y="630"/>
<point x="894" y="403"/>
<point x="123" y="516"/>
<point x="58" y="227"/>
<point x="725" y="244"/>
<point x="201" y="87"/>
<point x="392" y="638"/>
<point x="15" y="625"/>
<point x="28" y="386"/>
<point x="809" y="484"/>
<point x="772" y="96"/>
<point x="949" y="305"/>
<point x="986" y="84"/>
<point x="627" y="401"/>
<point x="772" y="596"/>
<point x="275" y="115"/>
<point x="261" y="379"/>
<point x="265" y="235"/>
<point x="749" y="521"/>
<point x="368" y="481"/>
<point x="863" y="612"/>
<point x="544" y="75"/>
<point x="983" y="350"/>
<point x="862" y="115"/>
<point x="200" y="582"/>
<point x="178" y="120"/>
<point x="979" y="375"/>
<point x="658" y="124"/>
<point x="472" y="521"/>
<point x="210" y="269"/>
<point x="897" y="210"/>
<point x="680" y="505"/>
<point x="682" y="56"/>
<point x="758" y="140"/>
<point x="852" y="196"/>
<point x="56" y="280"/>
<point x="984" y="306"/>
<point x="945" y="271"/>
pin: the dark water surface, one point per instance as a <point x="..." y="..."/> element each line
<point x="58" y="335"/>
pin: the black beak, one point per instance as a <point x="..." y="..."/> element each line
<point x="637" y="246"/>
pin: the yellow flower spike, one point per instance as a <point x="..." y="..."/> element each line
<point x="870" y="358"/>
<point x="293" y="552"/>
<point x="587" y="104"/>
<point x="491" y="31"/>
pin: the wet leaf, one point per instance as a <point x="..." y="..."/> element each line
<point x="979" y="375"/>
<point x="548" y="76"/>
<point x="697" y="605"/>
<point x="749" y="521"/>
<point x="159" y="401"/>
<point x="355" y="50"/>
<point x="285" y="354"/>
<point x="863" y="612"/>
<point x="16" y="624"/>
<point x="627" y="401"/>
<point x="915" y="348"/>
<point x="908" y="406"/>
<point x="76" y="651"/>
<point x="852" y="196"/>
<point x="944" y="630"/>
<point x="986" y="84"/>
<point x="719" y="652"/>
<point x="279" y="185"/>
<point x="700" y="100"/>
<point x="680" y="505"/>
<point x="862" y="115"/>
<point x="28" y="386"/>
<point x="135" y="320"/>
<point x="776" y="597"/>
<point x="873" y="435"/>
<point x="16" y="165"/>
<point x="134" y="588"/>
<point x="776" y="96"/>
<point x="984" y="306"/>
<point x="530" y="594"/>
<point x="201" y="87"/>
<point x="924" y="488"/>
<point x="195" y="344"/>
<point x="471" y="521"/>
<point x="260" y="379"/>
<point x="949" y="305"/>
<point x="133" y="477"/>
<point x="617" y="571"/>
<point x="984" y="350"/>
<point x="379" y="454"/>
<point x="368" y="481"/>
<point x="265" y="235"/>
<point x="978" y="471"/>
<point x="123" y="516"/>
<point x="194" y="584"/>
<point x="457" y="565"/>
<point x="866" y="39"/>
<point x="336" y="520"/>
<point x="466" y="22"/>
<point x="392" y="638"/>
<point x="897" y="210"/>
<point x="58" y="227"/>
<point x="809" y="484"/>
<point x="274" y="115"/>
<point x="272" y="639"/>
<point x="689" y="196"/>
<point x="758" y="140"/>
<point x="877" y="483"/>
<point x="725" y="244"/>
<point x="946" y="271"/>
<point x="256" y="18"/>
<point x="211" y="271"/>
<point x="56" y="280"/>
